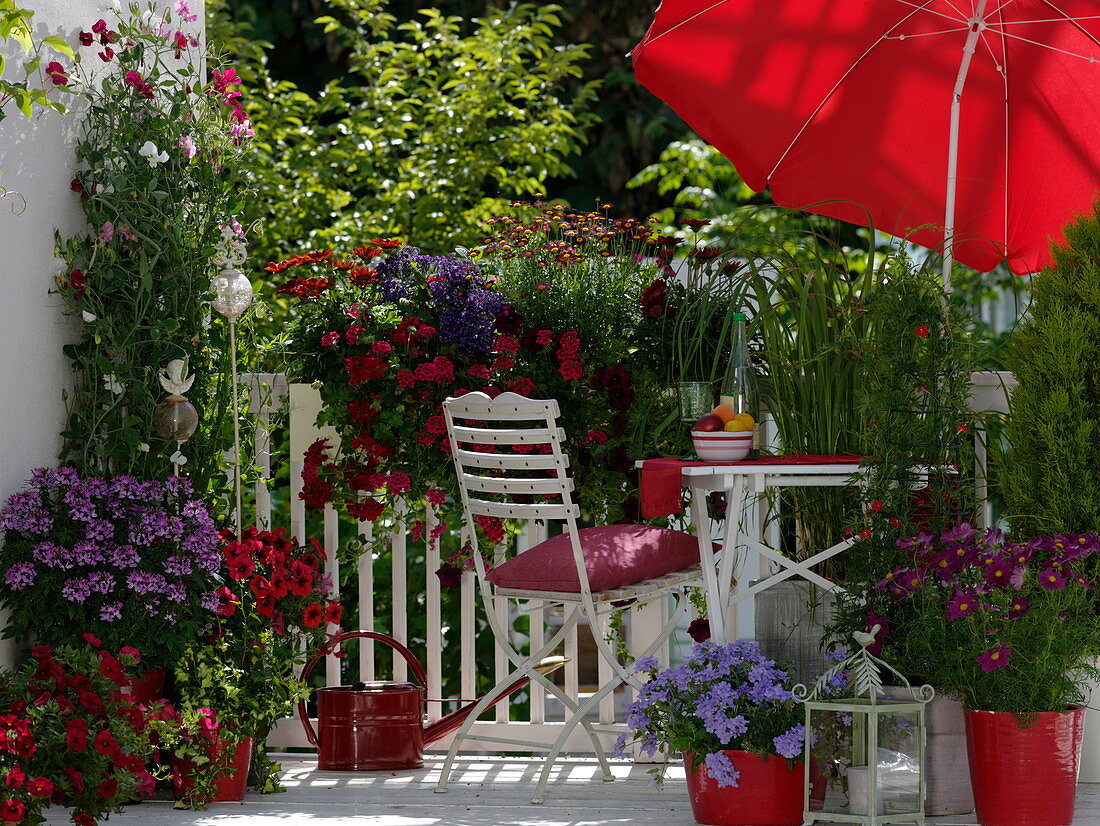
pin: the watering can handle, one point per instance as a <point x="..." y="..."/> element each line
<point x="340" y="638"/>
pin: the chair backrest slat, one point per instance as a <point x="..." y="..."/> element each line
<point x="507" y="407"/>
<point x="493" y="484"/>
<point x="512" y="510"/>
<point x="517" y="436"/>
<point x="510" y="461"/>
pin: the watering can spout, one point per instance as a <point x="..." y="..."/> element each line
<point x="453" y="721"/>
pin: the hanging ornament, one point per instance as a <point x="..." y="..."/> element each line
<point x="175" y="418"/>
<point x="231" y="288"/>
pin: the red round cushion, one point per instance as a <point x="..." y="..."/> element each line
<point x="615" y="556"/>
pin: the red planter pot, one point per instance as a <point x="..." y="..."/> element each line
<point x="1024" y="776"/>
<point x="228" y="787"/>
<point x="768" y="792"/>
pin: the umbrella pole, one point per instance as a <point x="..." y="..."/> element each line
<point x="977" y="24"/>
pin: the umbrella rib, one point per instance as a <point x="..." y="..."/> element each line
<point x="926" y="34"/>
<point x="1074" y="21"/>
<point x="683" y="22"/>
<point x="840" y="80"/>
<point x="1089" y="58"/>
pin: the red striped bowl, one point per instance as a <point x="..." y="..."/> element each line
<point x="722" y="446"/>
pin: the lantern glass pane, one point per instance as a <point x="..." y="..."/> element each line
<point x="830" y="756"/>
<point x="899" y="760"/>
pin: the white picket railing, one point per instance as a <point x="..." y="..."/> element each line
<point x="271" y="397"/>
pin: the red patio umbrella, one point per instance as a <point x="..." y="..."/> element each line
<point x="981" y="116"/>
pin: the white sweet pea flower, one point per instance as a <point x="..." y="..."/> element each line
<point x="150" y="152"/>
<point x="178" y="458"/>
<point x="110" y="382"/>
<point x="88" y="317"/>
<point x="143" y="447"/>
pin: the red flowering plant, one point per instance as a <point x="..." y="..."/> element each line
<point x="70" y="736"/>
<point x="1007" y="626"/>
<point x="273" y="611"/>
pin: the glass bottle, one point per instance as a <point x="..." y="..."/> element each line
<point x="738" y="389"/>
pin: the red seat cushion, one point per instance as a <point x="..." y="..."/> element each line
<point x="614" y="556"/>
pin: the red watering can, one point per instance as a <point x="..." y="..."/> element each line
<point x="372" y="726"/>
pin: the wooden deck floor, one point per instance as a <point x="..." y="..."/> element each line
<point x="488" y="792"/>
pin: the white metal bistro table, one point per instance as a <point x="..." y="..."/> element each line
<point x="743" y="483"/>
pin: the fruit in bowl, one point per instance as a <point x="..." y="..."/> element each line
<point x="722" y="435"/>
<point x="709" y="422"/>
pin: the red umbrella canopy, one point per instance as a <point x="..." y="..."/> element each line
<point x="850" y="102"/>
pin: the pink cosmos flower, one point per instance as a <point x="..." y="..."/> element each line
<point x="962" y="604"/>
<point x="1052" y="580"/>
<point x="993" y="658"/>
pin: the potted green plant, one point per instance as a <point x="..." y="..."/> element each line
<point x="70" y="737"/>
<point x="234" y="684"/>
<point x="730" y="711"/>
<point x="1009" y="627"/>
<point x="133" y="562"/>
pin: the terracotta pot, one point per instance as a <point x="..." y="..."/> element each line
<point x="230" y="786"/>
<point x="146" y="687"/>
<point x="946" y="776"/>
<point x="1024" y="776"/>
<point x="768" y="792"/>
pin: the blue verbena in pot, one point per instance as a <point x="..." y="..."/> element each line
<point x="730" y="710"/>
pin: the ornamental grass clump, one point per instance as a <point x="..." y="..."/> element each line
<point x="1007" y="626"/>
<point x="725" y="697"/>
<point x="133" y="562"/>
<point x="69" y="737"/>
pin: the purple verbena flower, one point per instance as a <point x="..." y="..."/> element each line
<point x="789" y="744"/>
<point x="721" y="769"/>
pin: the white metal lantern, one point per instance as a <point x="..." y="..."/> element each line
<point x="864" y="751"/>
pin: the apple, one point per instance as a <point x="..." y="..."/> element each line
<point x="710" y="423"/>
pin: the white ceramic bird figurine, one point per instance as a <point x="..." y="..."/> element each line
<point x="865" y="638"/>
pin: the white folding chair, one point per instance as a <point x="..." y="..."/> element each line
<point x="586" y="571"/>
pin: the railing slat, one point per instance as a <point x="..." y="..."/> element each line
<point x="433" y="594"/>
<point x="400" y="595"/>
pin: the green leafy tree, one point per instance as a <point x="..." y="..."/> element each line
<point x="429" y="133"/>
<point x="1051" y="476"/>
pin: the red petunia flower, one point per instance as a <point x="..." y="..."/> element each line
<point x="110" y="668"/>
<point x="92" y="640"/>
<point x="333" y="613"/>
<point x="312" y="615"/>
<point x="40" y="787"/>
<point x="12" y="811"/>
<point x="108" y="788"/>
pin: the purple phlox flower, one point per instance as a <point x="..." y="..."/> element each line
<point x="76" y="589"/>
<point x="178" y="566"/>
<point x="1052" y="579"/>
<point x="993" y="658"/>
<point x="101" y="582"/>
<point x="144" y="582"/>
<point x="24" y="513"/>
<point x="998" y="573"/>
<point x="176" y="592"/>
<point x="52" y="555"/>
<point x="649" y="663"/>
<point x="963" y="603"/>
<point x="721" y="769"/>
<point x="110" y="611"/>
<point x="789" y="744"/>
<point x="20" y="575"/>
<point x="125" y="556"/>
<point x="209" y="600"/>
<point x="1017" y="607"/>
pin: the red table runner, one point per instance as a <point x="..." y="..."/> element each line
<point x="661" y="482"/>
